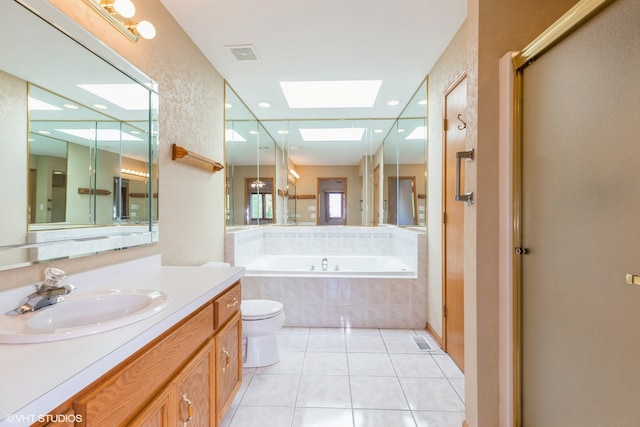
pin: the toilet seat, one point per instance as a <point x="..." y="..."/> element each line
<point x="260" y="309"/>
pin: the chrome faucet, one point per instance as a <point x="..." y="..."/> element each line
<point x="325" y="264"/>
<point x="47" y="293"/>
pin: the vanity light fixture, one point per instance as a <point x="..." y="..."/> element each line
<point x="117" y="13"/>
<point x="294" y="173"/>
<point x="135" y="172"/>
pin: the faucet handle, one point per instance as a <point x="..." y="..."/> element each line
<point x="52" y="276"/>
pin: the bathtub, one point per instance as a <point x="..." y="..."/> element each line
<point x="340" y="266"/>
<point x="381" y="281"/>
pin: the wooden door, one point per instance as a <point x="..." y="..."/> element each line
<point x="580" y="226"/>
<point x="453" y="234"/>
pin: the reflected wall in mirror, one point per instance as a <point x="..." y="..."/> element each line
<point x="83" y="164"/>
<point x="369" y="155"/>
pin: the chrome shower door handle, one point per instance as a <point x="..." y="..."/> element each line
<point x="468" y="197"/>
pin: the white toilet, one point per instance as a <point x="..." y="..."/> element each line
<point x="261" y="319"/>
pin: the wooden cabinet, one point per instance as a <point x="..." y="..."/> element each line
<point x="187" y="400"/>
<point x="189" y="375"/>
<point x="229" y="364"/>
<point x="193" y="392"/>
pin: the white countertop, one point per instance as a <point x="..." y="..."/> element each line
<point x="37" y="378"/>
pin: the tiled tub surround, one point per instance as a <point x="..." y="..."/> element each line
<point x="344" y="300"/>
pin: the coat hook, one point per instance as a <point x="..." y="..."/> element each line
<point x="463" y="125"/>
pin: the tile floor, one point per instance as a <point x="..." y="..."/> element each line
<point x="337" y="377"/>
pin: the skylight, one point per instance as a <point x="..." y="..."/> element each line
<point x="331" y="94"/>
<point x="332" y="134"/>
<point x="419" y="132"/>
<point x="36" y="104"/>
<point x="128" y="96"/>
<point x="232" y="135"/>
<point x="102" y="134"/>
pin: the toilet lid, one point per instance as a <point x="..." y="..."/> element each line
<point x="260" y="308"/>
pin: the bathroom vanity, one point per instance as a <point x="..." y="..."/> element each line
<point x="181" y="365"/>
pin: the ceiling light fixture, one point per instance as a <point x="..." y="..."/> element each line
<point x="264" y="104"/>
<point x="294" y="173"/>
<point x="393" y="103"/>
<point x="117" y="13"/>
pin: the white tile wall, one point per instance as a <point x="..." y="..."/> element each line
<point x="334" y="301"/>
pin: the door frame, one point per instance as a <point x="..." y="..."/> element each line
<point x="578" y="15"/>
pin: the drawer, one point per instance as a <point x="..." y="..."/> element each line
<point x="227" y="304"/>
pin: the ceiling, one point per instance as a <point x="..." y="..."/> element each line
<point x="395" y="41"/>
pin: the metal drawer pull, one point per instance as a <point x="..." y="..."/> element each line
<point x="189" y="409"/>
<point x="633" y="279"/>
<point x="468" y="155"/>
<point x="227" y="359"/>
<point x="234" y="303"/>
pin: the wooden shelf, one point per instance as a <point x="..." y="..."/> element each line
<point x="305" y="196"/>
<point x="182" y="155"/>
<point x="99" y="192"/>
<point x="143" y="195"/>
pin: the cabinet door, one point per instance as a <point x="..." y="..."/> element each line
<point x="157" y="413"/>
<point x="228" y="347"/>
<point x="193" y="391"/>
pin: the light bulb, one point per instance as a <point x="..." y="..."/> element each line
<point x="146" y="29"/>
<point x="124" y="8"/>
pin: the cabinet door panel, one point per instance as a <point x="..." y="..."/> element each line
<point x="229" y="364"/>
<point x="192" y="388"/>
<point x="157" y="413"/>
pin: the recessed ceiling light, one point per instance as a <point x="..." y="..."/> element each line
<point x="332" y="134"/>
<point x="283" y="132"/>
<point x="253" y="132"/>
<point x="44" y="132"/>
<point x="128" y="96"/>
<point x="393" y="103"/>
<point x="71" y="106"/>
<point x="400" y="130"/>
<point x="232" y="135"/>
<point x="264" y="104"/>
<point x="377" y="131"/>
<point x="227" y="105"/>
<point x="100" y="106"/>
<point x="422" y="102"/>
<point x="331" y="93"/>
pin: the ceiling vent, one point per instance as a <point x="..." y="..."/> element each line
<point x="244" y="52"/>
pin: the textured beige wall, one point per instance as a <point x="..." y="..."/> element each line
<point x="494" y="27"/>
<point x="191" y="114"/>
<point x="450" y="65"/>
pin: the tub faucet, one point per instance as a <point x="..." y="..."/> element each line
<point x="325" y="264"/>
<point x="47" y="293"/>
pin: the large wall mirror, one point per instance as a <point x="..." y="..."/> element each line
<point x="78" y="142"/>
<point x="275" y="168"/>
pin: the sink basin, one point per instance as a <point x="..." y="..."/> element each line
<point x="83" y="314"/>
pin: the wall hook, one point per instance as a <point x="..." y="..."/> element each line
<point x="463" y="125"/>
